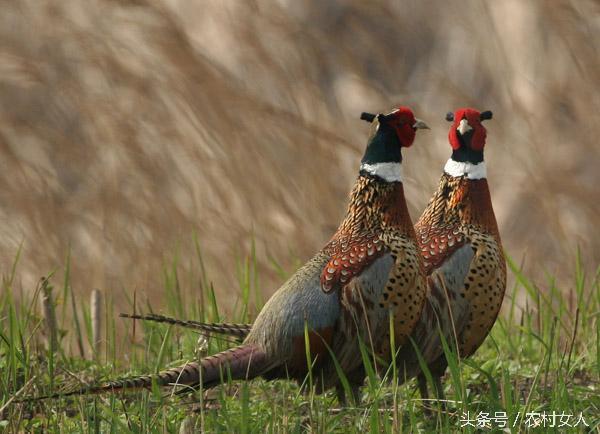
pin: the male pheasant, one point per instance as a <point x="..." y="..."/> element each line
<point x="460" y="217"/>
<point x="370" y="268"/>
<point x="460" y="243"/>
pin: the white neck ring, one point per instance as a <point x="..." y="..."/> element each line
<point x="470" y="170"/>
<point x="389" y="172"/>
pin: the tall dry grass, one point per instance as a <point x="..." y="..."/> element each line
<point x="126" y="126"/>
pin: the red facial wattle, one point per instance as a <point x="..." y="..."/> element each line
<point x="406" y="134"/>
<point x="478" y="136"/>
<point x="403" y="124"/>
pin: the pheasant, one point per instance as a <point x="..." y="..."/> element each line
<point x="459" y="225"/>
<point x="370" y="269"/>
<point x="460" y="243"/>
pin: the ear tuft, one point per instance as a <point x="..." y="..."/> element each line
<point x="369" y="117"/>
<point x="450" y="117"/>
<point x="486" y="115"/>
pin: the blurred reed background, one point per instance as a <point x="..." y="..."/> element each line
<point x="128" y="126"/>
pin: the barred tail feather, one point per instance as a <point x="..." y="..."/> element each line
<point x="230" y="329"/>
<point x="242" y="362"/>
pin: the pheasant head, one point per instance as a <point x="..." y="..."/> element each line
<point x="467" y="138"/>
<point x="392" y="132"/>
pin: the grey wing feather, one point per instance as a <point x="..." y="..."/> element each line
<point x="299" y="300"/>
<point x="454" y="269"/>
<point x="448" y="282"/>
<point x="361" y="301"/>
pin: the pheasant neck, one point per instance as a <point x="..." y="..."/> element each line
<point x="377" y="205"/>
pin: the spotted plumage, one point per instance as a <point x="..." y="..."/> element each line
<point x="437" y="243"/>
<point x="371" y="268"/>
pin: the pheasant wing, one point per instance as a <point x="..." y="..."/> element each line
<point x="349" y="256"/>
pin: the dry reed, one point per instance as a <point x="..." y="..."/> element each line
<point x="96" y="316"/>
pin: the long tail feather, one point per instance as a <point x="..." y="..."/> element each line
<point x="239" y="331"/>
<point x="242" y="362"/>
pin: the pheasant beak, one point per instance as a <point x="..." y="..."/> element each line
<point x="464" y="127"/>
<point x="420" y="125"/>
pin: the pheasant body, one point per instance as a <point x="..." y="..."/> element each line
<point x="462" y="209"/>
